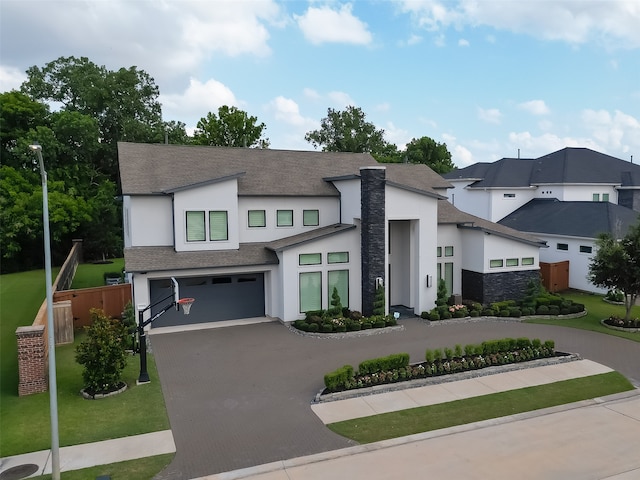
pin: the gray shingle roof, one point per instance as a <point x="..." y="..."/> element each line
<point x="449" y="214"/>
<point x="157" y="168"/>
<point x="576" y="219"/>
<point x="153" y="259"/>
<point x="294" y="240"/>
<point x="569" y="165"/>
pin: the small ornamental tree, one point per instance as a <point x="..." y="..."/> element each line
<point x="442" y="294"/>
<point x="336" y="303"/>
<point x="102" y="354"/>
<point x="378" y="301"/>
<point x="616" y="265"/>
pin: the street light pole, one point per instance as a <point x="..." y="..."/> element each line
<point x="53" y="385"/>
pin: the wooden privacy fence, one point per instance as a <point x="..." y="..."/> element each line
<point x="112" y="299"/>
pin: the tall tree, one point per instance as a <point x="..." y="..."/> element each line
<point x="431" y="153"/>
<point x="230" y="128"/>
<point x="123" y="102"/>
<point x="348" y="131"/>
<point x="616" y="265"/>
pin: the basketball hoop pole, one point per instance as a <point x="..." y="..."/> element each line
<point x="142" y="323"/>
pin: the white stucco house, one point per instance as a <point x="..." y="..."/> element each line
<point x="261" y="232"/>
<point x="565" y="198"/>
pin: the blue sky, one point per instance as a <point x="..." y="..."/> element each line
<point x="485" y="77"/>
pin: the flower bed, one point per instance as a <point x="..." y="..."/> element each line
<point x="347" y="321"/>
<point x="617" y="323"/>
<point x="396" y="368"/>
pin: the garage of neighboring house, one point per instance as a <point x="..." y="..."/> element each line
<point x="221" y="297"/>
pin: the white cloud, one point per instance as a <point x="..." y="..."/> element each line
<point x="535" y="107"/>
<point x="463" y="42"/>
<point x="287" y="111"/>
<point x="532" y="146"/>
<point x="489" y="115"/>
<point x="341" y="100"/>
<point x="618" y="131"/>
<point x="11" y="78"/>
<point x="311" y="94"/>
<point x="396" y="135"/>
<point x="414" y="39"/>
<point x="614" y="23"/>
<point x="198" y="100"/>
<point x="382" y="107"/>
<point x="325" y="25"/>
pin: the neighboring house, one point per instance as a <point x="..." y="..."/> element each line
<point x="261" y="232"/>
<point x="565" y="198"/>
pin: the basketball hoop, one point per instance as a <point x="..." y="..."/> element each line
<point x="186" y="303"/>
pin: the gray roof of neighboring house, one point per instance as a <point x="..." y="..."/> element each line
<point x="153" y="259"/>
<point x="449" y="214"/>
<point x="157" y="168"/>
<point x="566" y="166"/>
<point x="575" y="219"/>
<point x="299" y="239"/>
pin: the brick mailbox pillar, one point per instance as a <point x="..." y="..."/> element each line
<point x="32" y="360"/>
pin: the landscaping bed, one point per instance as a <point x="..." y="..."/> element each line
<point x="395" y="369"/>
<point x="617" y="323"/>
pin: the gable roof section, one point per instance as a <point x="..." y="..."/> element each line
<point x="448" y="215"/>
<point x="301" y="238"/>
<point x="154" y="259"/>
<point x="574" y="219"/>
<point x="157" y="168"/>
<point x="566" y="166"/>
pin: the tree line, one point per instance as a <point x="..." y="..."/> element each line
<point x="94" y="108"/>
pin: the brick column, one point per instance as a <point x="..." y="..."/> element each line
<point x="32" y="360"/>
<point x="372" y="236"/>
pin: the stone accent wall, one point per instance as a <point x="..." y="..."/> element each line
<point x="495" y="287"/>
<point x="372" y="194"/>
<point x="32" y="360"/>
<point x="629" y="199"/>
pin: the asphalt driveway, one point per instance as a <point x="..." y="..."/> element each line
<point x="240" y="396"/>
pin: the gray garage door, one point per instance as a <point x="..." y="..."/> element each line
<point x="218" y="298"/>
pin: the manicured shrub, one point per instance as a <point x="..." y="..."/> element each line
<point x="337" y="379"/>
<point x="102" y="353"/>
<point x="437" y="354"/>
<point x="504" y="313"/>
<point x="460" y="314"/>
<point x="522" y="343"/>
<point x="542" y="310"/>
<point x="542" y="301"/>
<point x="434" y="316"/>
<point x="326" y="328"/>
<point x="429" y="356"/>
<point x="380" y="323"/>
<point x="445" y="315"/>
<point x="425" y="315"/>
<point x="488" y="312"/>
<point x="390" y="321"/>
<point x="515" y="312"/>
<point x="554" y="310"/>
<point x="536" y="343"/>
<point x="390" y="362"/>
<point x="565" y="311"/>
<point x="457" y="350"/>
<point x="355" y="315"/>
<point x="474" y="313"/>
<point x="354" y="326"/>
<point x="550" y="344"/>
<point x="366" y="325"/>
<point x="448" y="354"/>
<point x="469" y="349"/>
<point x="340" y="328"/>
<point x="314" y="327"/>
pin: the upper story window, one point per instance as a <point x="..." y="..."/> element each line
<point x="562" y="246"/>
<point x="338" y="257"/>
<point x="284" y="218"/>
<point x="309" y="259"/>
<point x="257" y="218"/>
<point x="439" y="251"/>
<point x="218" y="227"/>
<point x="527" y="261"/>
<point x="496" y="263"/>
<point x="195" y="226"/>
<point x="448" y="251"/>
<point x="585" y="249"/>
<point x="512" y="262"/>
<point x="596" y="197"/>
<point x="605" y="197"/>
<point x="310" y="218"/>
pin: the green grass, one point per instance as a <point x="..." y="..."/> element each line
<point x="460" y="412"/>
<point x="92" y="274"/>
<point x="141" y="469"/>
<point x="597" y="310"/>
<point x="25" y="421"/>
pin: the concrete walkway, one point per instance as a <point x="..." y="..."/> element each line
<point x="408" y="452"/>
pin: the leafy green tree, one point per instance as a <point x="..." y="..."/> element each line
<point x="230" y="128"/>
<point x="348" y="131"/>
<point x="431" y="153"/>
<point x="616" y="265"/>
<point x="103" y="354"/>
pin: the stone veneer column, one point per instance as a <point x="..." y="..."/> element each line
<point x="372" y="235"/>
<point x="32" y="360"/>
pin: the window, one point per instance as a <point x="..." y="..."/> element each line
<point x="218" y="226"/>
<point x="562" y="246"/>
<point x="448" y="277"/>
<point x="448" y="251"/>
<point x="338" y="257"/>
<point x="512" y="262"/>
<point x="509" y="195"/>
<point x="527" y="261"/>
<point x="439" y="271"/>
<point x="596" y="197"/>
<point x="257" y="218"/>
<point x="605" y="197"/>
<point x="439" y="251"/>
<point x="310" y="291"/>
<point x="309" y="259"/>
<point x="495" y="263"/>
<point x="585" y="249"/>
<point x="310" y="218"/>
<point x="340" y="280"/>
<point x="284" y="218"/>
<point x="195" y="227"/>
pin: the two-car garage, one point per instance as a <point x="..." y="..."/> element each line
<point x="221" y="297"/>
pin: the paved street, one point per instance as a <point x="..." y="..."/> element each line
<point x="240" y="396"/>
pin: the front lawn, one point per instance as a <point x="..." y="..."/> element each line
<point x="460" y="412"/>
<point x="597" y="310"/>
<point x="92" y="274"/>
